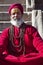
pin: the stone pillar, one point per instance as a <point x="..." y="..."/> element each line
<point x="37" y="21"/>
<point x="2" y="1"/>
<point x="30" y="4"/>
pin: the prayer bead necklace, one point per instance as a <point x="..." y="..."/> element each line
<point x="20" y="44"/>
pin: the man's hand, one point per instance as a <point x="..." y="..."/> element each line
<point x="11" y="58"/>
<point x="29" y="57"/>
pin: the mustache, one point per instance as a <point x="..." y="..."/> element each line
<point x="15" y="19"/>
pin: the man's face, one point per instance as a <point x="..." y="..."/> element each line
<point x="16" y="14"/>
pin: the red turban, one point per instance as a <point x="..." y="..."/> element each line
<point x="19" y="6"/>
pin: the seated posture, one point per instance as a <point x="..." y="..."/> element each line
<point x="20" y="43"/>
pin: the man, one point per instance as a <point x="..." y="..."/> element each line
<point x="20" y="43"/>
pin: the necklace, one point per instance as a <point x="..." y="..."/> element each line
<point x="15" y="37"/>
<point x="21" y="45"/>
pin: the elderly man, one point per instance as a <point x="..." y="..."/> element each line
<point x="20" y="43"/>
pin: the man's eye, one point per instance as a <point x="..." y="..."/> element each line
<point x="13" y="14"/>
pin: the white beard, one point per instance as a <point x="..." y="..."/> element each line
<point x="16" y="22"/>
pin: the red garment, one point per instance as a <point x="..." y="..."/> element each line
<point x="33" y="48"/>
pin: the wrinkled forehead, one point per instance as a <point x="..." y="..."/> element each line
<point x="15" y="10"/>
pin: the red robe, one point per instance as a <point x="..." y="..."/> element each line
<point x="33" y="48"/>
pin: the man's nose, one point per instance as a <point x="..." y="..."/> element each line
<point x="16" y="15"/>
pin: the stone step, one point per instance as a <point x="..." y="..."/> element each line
<point x="4" y="7"/>
<point x="4" y="25"/>
<point x="4" y="16"/>
<point x="12" y="1"/>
